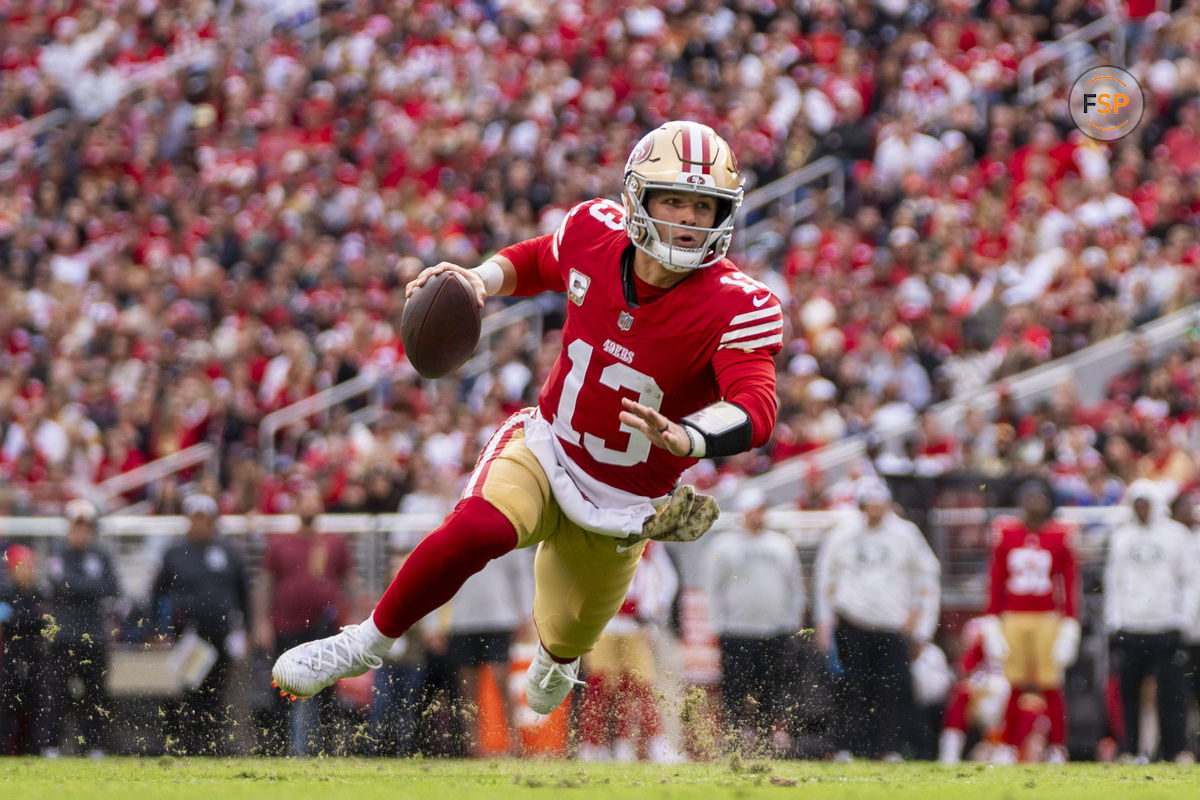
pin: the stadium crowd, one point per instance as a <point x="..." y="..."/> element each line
<point x="234" y="236"/>
<point x="192" y="252"/>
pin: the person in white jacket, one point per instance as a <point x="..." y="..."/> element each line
<point x="1183" y="511"/>
<point x="1146" y="598"/>
<point x="755" y="596"/>
<point x="876" y="603"/>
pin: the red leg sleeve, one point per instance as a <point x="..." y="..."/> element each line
<point x="473" y="534"/>
<point x="956" y="709"/>
<point x="1056" y="710"/>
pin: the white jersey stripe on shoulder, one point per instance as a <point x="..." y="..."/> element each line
<point x="749" y="316"/>
<point x="764" y="342"/>
<point x="742" y="333"/>
<point x="490" y="450"/>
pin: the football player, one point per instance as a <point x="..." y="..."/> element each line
<point x="667" y="358"/>
<point x="1033" y="610"/>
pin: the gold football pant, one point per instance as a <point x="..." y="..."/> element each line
<point x="580" y="578"/>
<point x="1030" y="636"/>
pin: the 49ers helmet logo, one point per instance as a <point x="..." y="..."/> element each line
<point x="698" y="179"/>
<point x="642" y="151"/>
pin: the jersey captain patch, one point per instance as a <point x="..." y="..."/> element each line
<point x="577" y="286"/>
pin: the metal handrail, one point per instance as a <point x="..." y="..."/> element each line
<point x="782" y="481"/>
<point x="317" y="403"/>
<point x="1074" y="46"/>
<point x="157" y="469"/>
<point x="785" y="189"/>
<point x="525" y="311"/>
<point x="32" y="128"/>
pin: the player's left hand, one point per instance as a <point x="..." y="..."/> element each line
<point x="661" y="431"/>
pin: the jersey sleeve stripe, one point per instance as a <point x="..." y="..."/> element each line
<point x="741" y="333"/>
<point x="753" y="343"/>
<point x="750" y="316"/>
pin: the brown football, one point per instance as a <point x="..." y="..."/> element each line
<point x="439" y="326"/>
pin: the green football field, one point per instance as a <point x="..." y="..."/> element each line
<point x="216" y="779"/>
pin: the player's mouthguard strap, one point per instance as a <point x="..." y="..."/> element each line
<point x="720" y="429"/>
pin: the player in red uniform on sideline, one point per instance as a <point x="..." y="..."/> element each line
<point x="1033" y="611"/>
<point x="667" y="357"/>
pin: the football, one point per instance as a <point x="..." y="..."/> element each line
<point x="439" y="326"/>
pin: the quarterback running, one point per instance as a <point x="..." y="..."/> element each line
<point x="667" y="358"/>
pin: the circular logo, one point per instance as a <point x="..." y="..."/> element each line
<point x="642" y="151"/>
<point x="1106" y="103"/>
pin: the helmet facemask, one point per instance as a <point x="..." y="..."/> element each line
<point x="644" y="229"/>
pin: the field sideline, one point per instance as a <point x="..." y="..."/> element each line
<point x="361" y="779"/>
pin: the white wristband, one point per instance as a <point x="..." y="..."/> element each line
<point x="492" y="275"/>
<point x="697" y="439"/>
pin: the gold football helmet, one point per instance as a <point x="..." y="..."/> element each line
<point x="682" y="156"/>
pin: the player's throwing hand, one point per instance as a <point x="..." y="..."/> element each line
<point x="473" y="279"/>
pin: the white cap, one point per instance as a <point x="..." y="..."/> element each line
<point x="199" y="504"/>
<point x="803" y="364"/>
<point x="902" y="236"/>
<point x="750" y="500"/>
<point x="872" y="489"/>
<point x="80" y="510"/>
<point x="953" y="139"/>
<point x="821" y="389"/>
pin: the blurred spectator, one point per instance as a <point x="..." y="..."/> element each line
<point x="756" y="602"/>
<point x="877" y="599"/>
<point x="620" y="718"/>
<point x="1149" y="583"/>
<point x="202" y="587"/>
<point x="23" y="612"/>
<point x="487" y="613"/>
<point x="82" y="578"/>
<point x="397" y="692"/>
<point x="304" y="589"/>
<point x="1183" y="512"/>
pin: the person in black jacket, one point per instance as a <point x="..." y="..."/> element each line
<point x="81" y="577"/>
<point x="22" y="654"/>
<point x="202" y="587"/>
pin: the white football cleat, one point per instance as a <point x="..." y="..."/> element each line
<point x="950" y="746"/>
<point x="548" y="682"/>
<point x="308" y="668"/>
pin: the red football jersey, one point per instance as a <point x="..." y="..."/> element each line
<point x="1033" y="570"/>
<point x="672" y="354"/>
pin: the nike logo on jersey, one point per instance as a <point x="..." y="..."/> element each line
<point x="758" y="302"/>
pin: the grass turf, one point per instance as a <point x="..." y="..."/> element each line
<point x="217" y="779"/>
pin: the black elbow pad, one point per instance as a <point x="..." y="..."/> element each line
<point x="720" y="429"/>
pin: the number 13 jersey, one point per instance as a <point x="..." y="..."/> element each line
<point x="712" y="336"/>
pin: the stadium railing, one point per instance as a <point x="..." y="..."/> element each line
<point x="138" y="541"/>
<point x="1075" y="52"/>
<point x="310" y="406"/>
<point x="1090" y="369"/>
<point x="528" y="312"/>
<point x="790" y="200"/>
<point x="156" y="470"/>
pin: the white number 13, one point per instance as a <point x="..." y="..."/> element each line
<point x="616" y="377"/>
